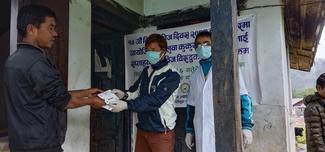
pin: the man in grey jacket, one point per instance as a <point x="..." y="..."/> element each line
<point x="35" y="95"/>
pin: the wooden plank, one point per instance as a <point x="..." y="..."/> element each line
<point x="304" y="21"/>
<point x="110" y="131"/>
<point x="225" y="76"/>
<point x="113" y="9"/>
<point x="104" y="17"/>
<point x="179" y="18"/>
<point x="180" y="145"/>
<point x="5" y="6"/>
<point x="5" y="16"/>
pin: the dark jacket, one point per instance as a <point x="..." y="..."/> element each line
<point x="315" y="123"/>
<point x="153" y="97"/>
<point x="36" y="99"/>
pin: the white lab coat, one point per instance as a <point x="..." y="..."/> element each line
<point x="200" y="97"/>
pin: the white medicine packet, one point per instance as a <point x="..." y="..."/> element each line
<point x="107" y="107"/>
<point x="109" y="98"/>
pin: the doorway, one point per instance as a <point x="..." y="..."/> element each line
<point x="110" y="131"/>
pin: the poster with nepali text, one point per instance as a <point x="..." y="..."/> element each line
<point x="181" y="54"/>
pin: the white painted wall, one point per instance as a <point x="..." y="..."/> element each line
<point x="154" y="7"/>
<point x="78" y="136"/>
<point x="134" y="5"/>
<point x="13" y="29"/>
<point x="273" y="129"/>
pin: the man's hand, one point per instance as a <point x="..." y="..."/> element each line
<point x="247" y="137"/>
<point x="120" y="94"/>
<point x="119" y="106"/>
<point x="97" y="102"/>
<point x="92" y="92"/>
<point x="189" y="140"/>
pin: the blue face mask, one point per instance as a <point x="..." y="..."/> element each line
<point x="203" y="51"/>
<point x="153" y="57"/>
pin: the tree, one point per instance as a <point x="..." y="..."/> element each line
<point x="303" y="93"/>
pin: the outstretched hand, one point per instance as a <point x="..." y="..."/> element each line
<point x="92" y="92"/>
<point x="97" y="102"/>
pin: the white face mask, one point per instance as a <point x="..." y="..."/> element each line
<point x="203" y="51"/>
<point x="153" y="57"/>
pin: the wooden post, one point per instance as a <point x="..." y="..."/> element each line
<point x="5" y="6"/>
<point x="225" y="76"/>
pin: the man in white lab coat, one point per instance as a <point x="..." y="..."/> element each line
<point x="200" y="115"/>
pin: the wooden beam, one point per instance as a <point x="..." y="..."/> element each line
<point x="5" y="51"/>
<point x="5" y="17"/>
<point x="108" y="19"/>
<point x="304" y="21"/>
<point x="179" y="18"/>
<point x="184" y="17"/>
<point x="110" y="9"/>
<point x="225" y="76"/>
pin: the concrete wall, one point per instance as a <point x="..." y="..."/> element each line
<point x="273" y="129"/>
<point x="78" y="136"/>
<point x="13" y="21"/>
<point x="154" y="7"/>
<point x="134" y="5"/>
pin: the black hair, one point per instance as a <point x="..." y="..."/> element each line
<point x="32" y="14"/>
<point x="321" y="81"/>
<point x="157" y="38"/>
<point x="201" y="34"/>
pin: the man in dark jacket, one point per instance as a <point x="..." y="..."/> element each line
<point x="153" y="97"/>
<point x="315" y="117"/>
<point x="35" y="95"/>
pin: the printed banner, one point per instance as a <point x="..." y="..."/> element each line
<point x="182" y="55"/>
